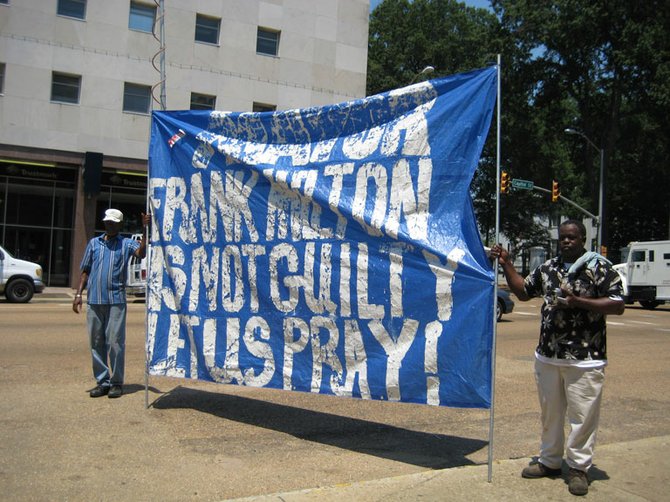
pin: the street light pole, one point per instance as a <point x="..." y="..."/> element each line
<point x="425" y="71"/>
<point x="601" y="190"/>
<point x="601" y="200"/>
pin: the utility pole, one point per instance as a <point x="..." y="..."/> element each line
<point x="601" y="189"/>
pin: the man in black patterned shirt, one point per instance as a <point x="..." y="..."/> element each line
<point x="579" y="289"/>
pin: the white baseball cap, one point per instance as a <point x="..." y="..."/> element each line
<point x="113" y="215"/>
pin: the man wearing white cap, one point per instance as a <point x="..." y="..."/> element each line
<point x="103" y="269"/>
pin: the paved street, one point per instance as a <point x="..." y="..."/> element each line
<point x="202" y="441"/>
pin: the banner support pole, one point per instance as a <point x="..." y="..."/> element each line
<point x="495" y="281"/>
<point x="160" y="20"/>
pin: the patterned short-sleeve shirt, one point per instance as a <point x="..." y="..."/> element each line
<point x="572" y="333"/>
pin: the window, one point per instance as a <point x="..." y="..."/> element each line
<point x="262" y="107"/>
<point x="65" y="88"/>
<point x="6" y="2"/>
<point x="207" y="29"/>
<point x="2" y="77"/>
<point x="141" y="17"/>
<point x="72" y="8"/>
<point x="202" y="101"/>
<point x="267" y="42"/>
<point x="638" y="256"/>
<point x="136" y="98"/>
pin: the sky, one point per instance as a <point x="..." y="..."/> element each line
<point x="472" y="3"/>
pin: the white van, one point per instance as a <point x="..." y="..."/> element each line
<point x="646" y="273"/>
<point x="136" y="282"/>
<point x="19" y="279"/>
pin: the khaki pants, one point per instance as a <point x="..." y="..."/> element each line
<point x="575" y="392"/>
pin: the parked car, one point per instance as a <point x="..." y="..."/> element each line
<point x="136" y="282"/>
<point x="19" y="279"/>
<point x="505" y="303"/>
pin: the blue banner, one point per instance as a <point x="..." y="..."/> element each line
<point x="331" y="250"/>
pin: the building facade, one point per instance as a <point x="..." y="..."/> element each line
<point x="79" y="78"/>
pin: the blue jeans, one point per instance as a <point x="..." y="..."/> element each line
<point x="107" y="336"/>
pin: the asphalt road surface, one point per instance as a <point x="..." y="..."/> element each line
<point x="203" y="441"/>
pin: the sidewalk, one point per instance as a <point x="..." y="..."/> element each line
<point x="631" y="471"/>
<point x="56" y="292"/>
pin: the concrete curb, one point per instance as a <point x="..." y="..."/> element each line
<point x="631" y="471"/>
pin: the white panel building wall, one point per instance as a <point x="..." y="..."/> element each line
<point x="52" y="193"/>
<point x="321" y="60"/>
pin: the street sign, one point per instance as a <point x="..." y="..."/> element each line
<point x="522" y="184"/>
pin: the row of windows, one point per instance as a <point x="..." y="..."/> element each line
<point x="207" y="28"/>
<point x="65" y="88"/>
<point x="207" y="102"/>
<point x="143" y="16"/>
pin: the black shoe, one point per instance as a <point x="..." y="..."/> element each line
<point x="99" y="391"/>
<point x="115" y="391"/>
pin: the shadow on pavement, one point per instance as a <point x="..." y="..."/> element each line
<point x="596" y="474"/>
<point x="435" y="451"/>
<point x="133" y="388"/>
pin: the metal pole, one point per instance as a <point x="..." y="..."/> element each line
<point x="160" y="19"/>
<point x="572" y="203"/>
<point x="601" y="200"/>
<point x="495" y="282"/>
<point x="163" y="94"/>
<point x="601" y="190"/>
<point x="146" y="318"/>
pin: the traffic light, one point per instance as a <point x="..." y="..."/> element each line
<point x="555" y="191"/>
<point x="504" y="182"/>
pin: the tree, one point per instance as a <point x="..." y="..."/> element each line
<point x="601" y="67"/>
<point x="406" y="36"/>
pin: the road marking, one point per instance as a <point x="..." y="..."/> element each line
<point x="614" y="323"/>
<point x="643" y="322"/>
<point x="527" y="313"/>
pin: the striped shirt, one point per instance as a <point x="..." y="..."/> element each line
<point x="106" y="263"/>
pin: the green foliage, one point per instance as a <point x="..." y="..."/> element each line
<point x="405" y="37"/>
<point x="603" y="70"/>
<point x="599" y="66"/>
